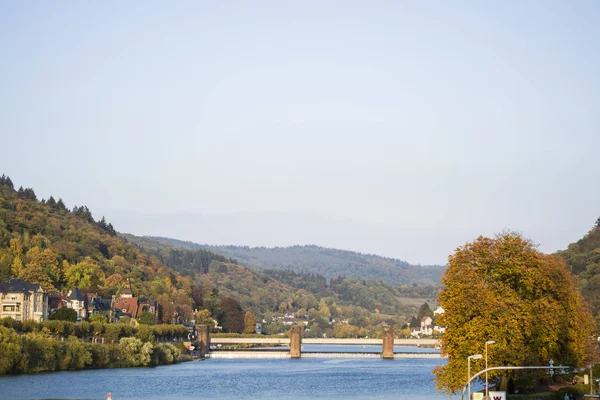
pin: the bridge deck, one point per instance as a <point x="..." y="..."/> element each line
<point x="286" y="341"/>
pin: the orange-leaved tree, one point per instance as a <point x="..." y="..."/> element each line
<point x="504" y="289"/>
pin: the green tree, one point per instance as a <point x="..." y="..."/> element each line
<point x="98" y="318"/>
<point x="425" y="311"/>
<point x="249" y="322"/>
<point x="63" y="314"/>
<point x="504" y="289"/>
<point x="84" y="275"/>
<point x="203" y="317"/>
<point x="10" y="348"/>
<point x="147" y="318"/>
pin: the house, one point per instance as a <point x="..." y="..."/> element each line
<point x="57" y="300"/>
<point x="438" y="311"/>
<point x="95" y="304"/>
<point x="23" y="301"/>
<point x="424" y="330"/>
<point x="73" y="299"/>
<point x="126" y="305"/>
<point x="77" y="303"/>
<point x="149" y="305"/>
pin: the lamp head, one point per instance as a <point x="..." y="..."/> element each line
<point x="475" y="356"/>
<point x="490" y="342"/>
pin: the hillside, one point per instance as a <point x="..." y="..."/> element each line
<point x="43" y="241"/>
<point x="284" y="290"/>
<point x="584" y="258"/>
<point x="323" y="261"/>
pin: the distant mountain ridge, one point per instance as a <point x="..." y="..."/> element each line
<point x="323" y="261"/>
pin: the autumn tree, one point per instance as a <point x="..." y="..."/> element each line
<point x="249" y="322"/>
<point x="504" y="289"/>
<point x="233" y="318"/>
<point x="203" y="317"/>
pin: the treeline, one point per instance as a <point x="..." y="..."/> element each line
<point x="41" y="352"/>
<point x="322" y="261"/>
<point x="110" y="333"/>
<point x="584" y="258"/>
<point x="185" y="262"/>
<point x="29" y="346"/>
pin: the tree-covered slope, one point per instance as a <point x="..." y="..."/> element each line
<point x="323" y="261"/>
<point x="43" y="241"/>
<point x="286" y="290"/>
<point x="584" y="258"/>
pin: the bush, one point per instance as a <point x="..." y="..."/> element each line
<point x="98" y="318"/>
<point x="63" y="314"/>
<point x="134" y="353"/>
<point x="10" y="348"/>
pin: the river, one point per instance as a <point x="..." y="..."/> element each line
<point x="358" y="379"/>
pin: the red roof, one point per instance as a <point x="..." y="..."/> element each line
<point x="127" y="306"/>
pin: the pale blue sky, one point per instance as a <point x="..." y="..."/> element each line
<point x="402" y="129"/>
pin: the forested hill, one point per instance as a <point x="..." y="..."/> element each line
<point x="269" y="291"/>
<point x="584" y="258"/>
<point x="322" y="261"/>
<point x="45" y="242"/>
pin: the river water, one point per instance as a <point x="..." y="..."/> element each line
<point x="331" y="379"/>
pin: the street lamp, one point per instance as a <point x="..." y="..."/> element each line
<point x="473" y="357"/>
<point x="487" y="392"/>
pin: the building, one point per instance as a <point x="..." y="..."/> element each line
<point x="438" y="311"/>
<point x="95" y="304"/>
<point x="22" y="301"/>
<point x="77" y="303"/>
<point x="126" y="305"/>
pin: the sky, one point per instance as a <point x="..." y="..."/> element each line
<point x="404" y="129"/>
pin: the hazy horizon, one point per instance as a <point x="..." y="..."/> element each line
<point x="403" y="130"/>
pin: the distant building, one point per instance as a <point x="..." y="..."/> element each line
<point x="258" y="328"/>
<point x="126" y="305"/>
<point x="77" y="303"/>
<point x="95" y="304"/>
<point x="23" y="301"/>
<point x="438" y="311"/>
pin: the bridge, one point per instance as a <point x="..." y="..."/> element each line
<point x="360" y="342"/>
<point x="295" y="342"/>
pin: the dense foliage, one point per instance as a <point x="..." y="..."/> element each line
<point x="323" y="261"/>
<point x="40" y="352"/>
<point x="185" y="262"/>
<point x="44" y="242"/>
<point x="504" y="289"/>
<point x="584" y="258"/>
<point x="28" y="346"/>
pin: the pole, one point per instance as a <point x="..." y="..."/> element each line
<point x="487" y="390"/>
<point x="486" y="374"/>
<point x="469" y="373"/>
<point x="591" y="380"/>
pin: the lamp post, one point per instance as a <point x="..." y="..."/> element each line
<point x="473" y="357"/>
<point x="487" y="392"/>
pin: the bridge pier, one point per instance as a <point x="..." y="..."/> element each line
<point x="387" y="352"/>
<point x="203" y="339"/>
<point x="295" y="342"/>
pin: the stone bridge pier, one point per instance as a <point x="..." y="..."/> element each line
<point x="387" y="352"/>
<point x="295" y="342"/>
<point x="203" y="339"/>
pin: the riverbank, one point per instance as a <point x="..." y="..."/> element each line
<point x="25" y="353"/>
